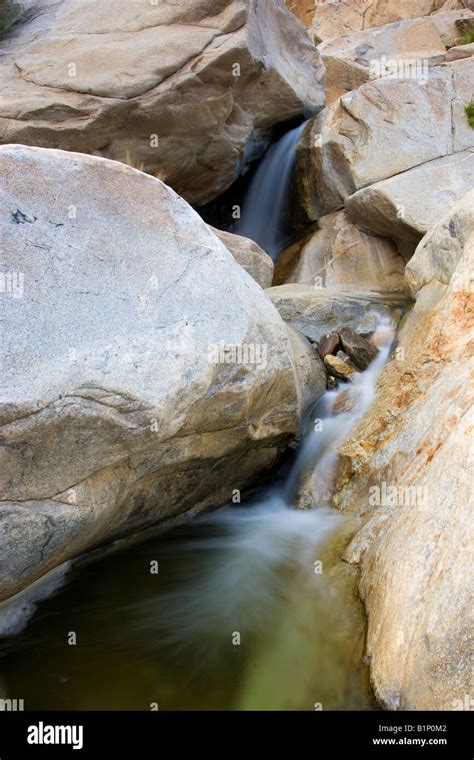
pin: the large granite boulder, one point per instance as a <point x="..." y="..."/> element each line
<point x="145" y="374"/>
<point x="407" y="205"/>
<point x="249" y="255"/>
<point x="185" y="91"/>
<point x="385" y="127"/>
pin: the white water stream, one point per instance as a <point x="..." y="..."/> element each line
<point x="244" y="548"/>
<point x="263" y="211"/>
<point x="244" y="572"/>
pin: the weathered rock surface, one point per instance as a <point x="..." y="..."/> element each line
<point x="390" y="51"/>
<point x="329" y="344"/>
<point x="346" y="401"/>
<point x="334" y="19"/>
<point x="124" y="400"/>
<point x="249" y="255"/>
<point x="184" y="91"/>
<point x="317" y="311"/>
<point x="407" y="474"/>
<point x="373" y="133"/>
<point x="408" y="205"/>
<point x="338" y="367"/>
<point x="450" y="5"/>
<point x="439" y="255"/>
<point x="359" y="349"/>
<point x="310" y="375"/>
<point x="459" y="51"/>
<point x="303" y="9"/>
<point x="336" y="253"/>
<point x="463" y="74"/>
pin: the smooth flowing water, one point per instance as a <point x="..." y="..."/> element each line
<point x="264" y="209"/>
<point x="251" y="607"/>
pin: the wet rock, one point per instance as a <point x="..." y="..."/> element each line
<point x="359" y="349"/>
<point x="380" y="337"/>
<point x="346" y="401"/>
<point x="345" y="357"/>
<point x="329" y="344"/>
<point x="317" y="311"/>
<point x="338" y="367"/>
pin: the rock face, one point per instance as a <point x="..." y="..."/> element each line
<point x="317" y="311"/>
<point x="407" y="474"/>
<point x="336" y="253"/>
<point x="438" y="258"/>
<point x="334" y="19"/>
<point x="349" y="146"/>
<point x="303" y="9"/>
<point x="372" y="134"/>
<point x="358" y="348"/>
<point x="390" y="50"/>
<point x="406" y="206"/>
<point x="184" y="91"/>
<point x="249" y="255"/>
<point x="338" y="367"/>
<point x="129" y="395"/>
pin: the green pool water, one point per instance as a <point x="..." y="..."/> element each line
<point x="238" y="617"/>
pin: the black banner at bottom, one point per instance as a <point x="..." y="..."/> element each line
<point x="147" y="735"/>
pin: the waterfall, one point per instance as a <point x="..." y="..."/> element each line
<point x="238" y="616"/>
<point x="244" y="547"/>
<point x="263" y="216"/>
<point x="247" y="571"/>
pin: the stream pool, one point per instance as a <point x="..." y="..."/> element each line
<point x="251" y="608"/>
<point x="247" y="608"/>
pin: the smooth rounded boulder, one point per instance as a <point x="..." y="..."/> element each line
<point x="145" y="374"/>
<point x="189" y="92"/>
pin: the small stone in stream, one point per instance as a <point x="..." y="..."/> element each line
<point x="329" y="344"/>
<point x="338" y="367"/>
<point x="360" y="350"/>
<point x="331" y="383"/>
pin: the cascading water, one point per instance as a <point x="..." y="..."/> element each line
<point x="263" y="213"/>
<point x="336" y="413"/>
<point x="237" y="618"/>
<point x="254" y="541"/>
